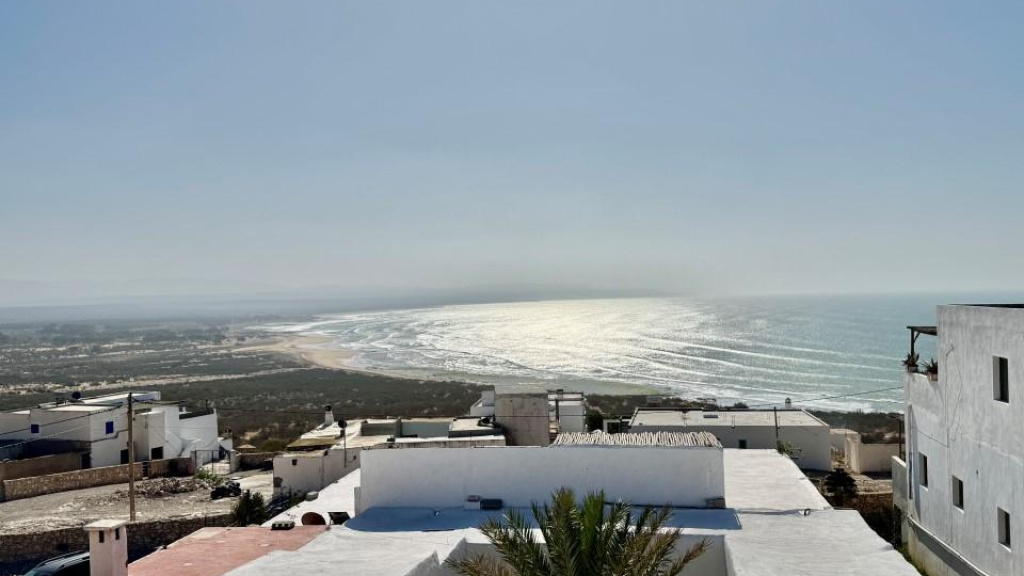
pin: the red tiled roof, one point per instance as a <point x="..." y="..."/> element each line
<point x="216" y="551"/>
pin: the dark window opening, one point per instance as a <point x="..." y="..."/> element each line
<point x="157" y="453"/>
<point x="743" y="444"/>
<point x="124" y="456"/>
<point x="1004" y="527"/>
<point x="110" y="427"/>
<point x="34" y="428"/>
<point x="923" y="470"/>
<point x="1001" y="378"/>
<point x="958" y="493"/>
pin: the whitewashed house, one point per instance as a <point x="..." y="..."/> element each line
<point x="807" y="437"/>
<point x="98" y="428"/>
<point x="960" y="487"/>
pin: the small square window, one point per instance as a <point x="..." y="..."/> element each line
<point x="34" y="428"/>
<point x="1004" y="527"/>
<point x="958" y="493"/>
<point x="295" y="461"/>
<point x="100" y="534"/>
<point x="743" y="444"/>
<point x="110" y="427"/>
<point x="1001" y="378"/>
<point x="923" y="469"/>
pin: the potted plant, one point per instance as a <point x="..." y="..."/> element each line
<point x="910" y="362"/>
<point x="932" y="369"/>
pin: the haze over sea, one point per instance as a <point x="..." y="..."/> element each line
<point x="754" y="350"/>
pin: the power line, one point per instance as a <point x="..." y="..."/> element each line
<point x="29" y="429"/>
<point x="850" y="395"/>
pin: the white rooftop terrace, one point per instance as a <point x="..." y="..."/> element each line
<point x="765" y="532"/>
<point x="657" y="417"/>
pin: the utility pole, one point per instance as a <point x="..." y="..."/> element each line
<point x="775" y="411"/>
<point x="131" y="460"/>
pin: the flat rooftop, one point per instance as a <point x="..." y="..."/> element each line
<point x="217" y="551"/>
<point x="776" y="525"/>
<point x="656" y="417"/>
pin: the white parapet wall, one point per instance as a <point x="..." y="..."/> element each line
<point x="444" y="477"/>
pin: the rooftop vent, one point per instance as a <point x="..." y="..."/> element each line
<point x="711" y="415"/>
<point x="283" y="525"/>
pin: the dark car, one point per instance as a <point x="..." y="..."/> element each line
<point x="72" y="564"/>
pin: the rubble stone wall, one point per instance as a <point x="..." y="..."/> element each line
<point x="53" y="483"/>
<point x="19" y="552"/>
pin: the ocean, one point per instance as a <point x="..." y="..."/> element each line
<point x="840" y="353"/>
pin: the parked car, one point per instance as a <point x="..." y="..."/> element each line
<point x="71" y="564"/>
<point x="228" y="489"/>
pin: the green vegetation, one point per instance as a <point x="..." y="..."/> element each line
<point x="591" y="537"/>
<point x="840" y="487"/>
<point x="209" y="477"/>
<point x="250" y="509"/>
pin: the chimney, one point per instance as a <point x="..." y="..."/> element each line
<point x="328" y="416"/>
<point x="108" y="548"/>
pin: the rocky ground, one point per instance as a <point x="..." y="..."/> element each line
<point x="158" y="498"/>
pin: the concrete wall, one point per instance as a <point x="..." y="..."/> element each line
<point x="53" y="464"/>
<point x="963" y="431"/>
<point x="444" y="477"/>
<point x="524" y="418"/>
<point x="53" y="483"/>
<point x="306" y="472"/>
<point x="869" y="458"/>
<point x="812" y="443"/>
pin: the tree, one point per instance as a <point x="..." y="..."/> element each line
<point x="250" y="509"/>
<point x="581" y="538"/>
<point x="840" y="486"/>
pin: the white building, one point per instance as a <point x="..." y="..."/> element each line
<point x="961" y="485"/>
<point x="332" y="450"/>
<point x="521" y="410"/>
<point x="98" y="427"/>
<point x="807" y="436"/>
<point x="413" y="514"/>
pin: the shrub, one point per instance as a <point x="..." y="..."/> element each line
<point x="250" y="509"/>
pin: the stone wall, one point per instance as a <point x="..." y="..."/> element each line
<point x="19" y="552"/>
<point x="251" y="460"/>
<point x="52" y="483"/>
<point x="52" y="464"/>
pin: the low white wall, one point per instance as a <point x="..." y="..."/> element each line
<point x="444" y="477"/>
<point x="301" y="473"/>
<point x="812" y="444"/>
<point x="870" y="458"/>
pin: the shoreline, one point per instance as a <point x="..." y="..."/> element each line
<point x="312" y="350"/>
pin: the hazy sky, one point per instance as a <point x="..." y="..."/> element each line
<point x="249" y="147"/>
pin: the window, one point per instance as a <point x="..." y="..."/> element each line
<point x="958" y="493"/>
<point x="1004" y="527"/>
<point x="110" y="427"/>
<point x="100" y="534"/>
<point x="923" y="469"/>
<point x="157" y="453"/>
<point x="295" y="461"/>
<point x="743" y="444"/>
<point x="1001" y="378"/>
<point x="34" y="428"/>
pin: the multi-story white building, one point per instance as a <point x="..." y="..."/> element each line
<point x="960" y="487"/>
<point x="98" y="428"/>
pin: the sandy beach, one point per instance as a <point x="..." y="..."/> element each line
<point x="318" y="351"/>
